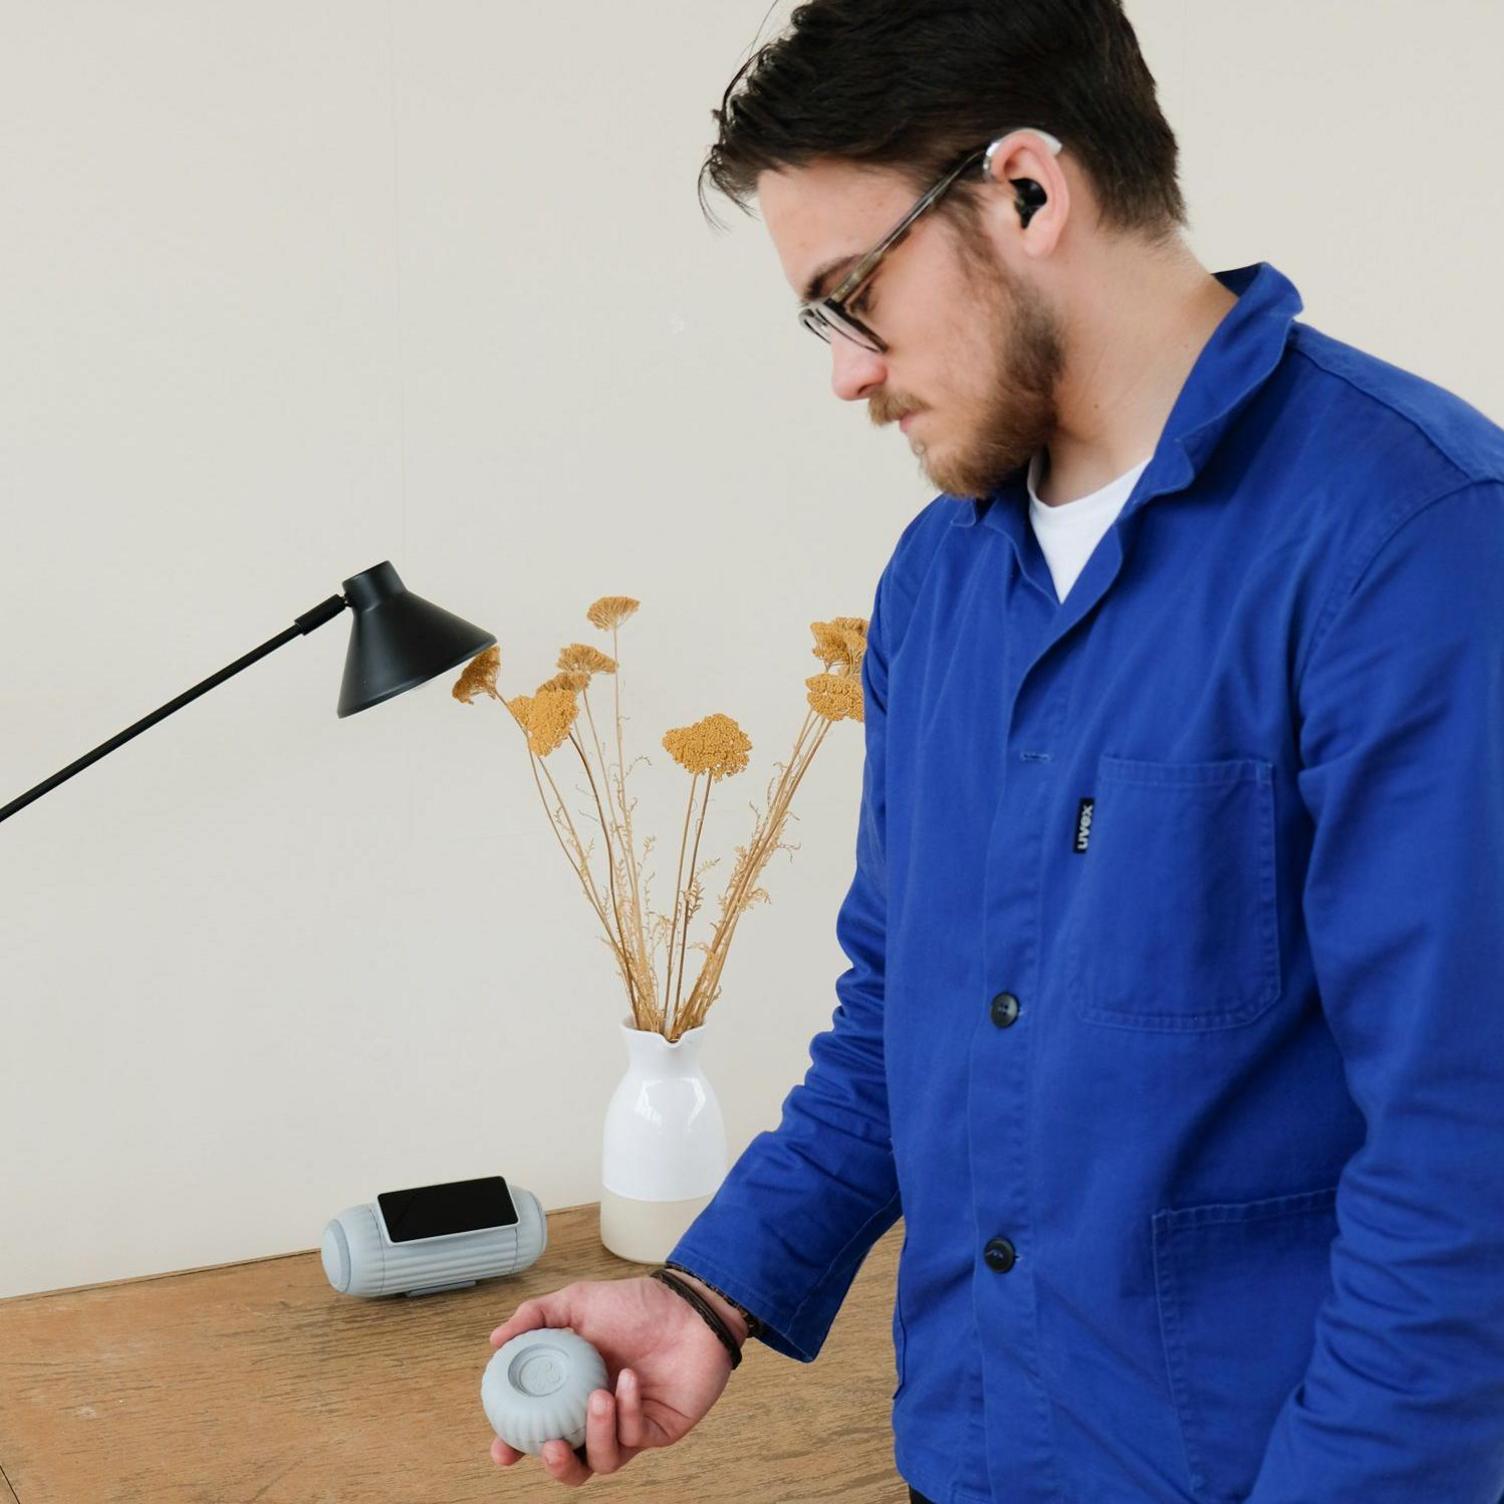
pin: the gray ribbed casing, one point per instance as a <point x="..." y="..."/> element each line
<point x="360" y="1261"/>
<point x="537" y="1387"/>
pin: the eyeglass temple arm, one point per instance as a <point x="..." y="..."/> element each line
<point x="854" y="277"/>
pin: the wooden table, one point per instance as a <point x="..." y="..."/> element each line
<point x="256" y="1383"/>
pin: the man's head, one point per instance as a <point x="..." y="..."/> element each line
<point x="839" y="127"/>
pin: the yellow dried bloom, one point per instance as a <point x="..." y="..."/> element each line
<point x="830" y="646"/>
<point x="572" y="681"/>
<point x="714" y="745"/>
<point x="611" y="611"/>
<point x="837" y="697"/>
<point x="582" y="658"/>
<point x="550" y="715"/>
<point x="521" y="706"/>
<point x="840" y="642"/>
<point x="479" y="676"/>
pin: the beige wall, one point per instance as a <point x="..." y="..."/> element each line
<point x="287" y="289"/>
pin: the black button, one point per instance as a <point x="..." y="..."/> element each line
<point x="1000" y="1255"/>
<point x="1004" y="1009"/>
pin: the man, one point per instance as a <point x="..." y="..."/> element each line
<point x="1172" y="1026"/>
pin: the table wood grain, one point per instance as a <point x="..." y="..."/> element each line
<point x="255" y="1383"/>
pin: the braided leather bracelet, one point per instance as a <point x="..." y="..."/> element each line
<point x="700" y="1304"/>
<point x="755" y="1324"/>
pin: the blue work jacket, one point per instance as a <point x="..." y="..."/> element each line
<point x="1174" y="1025"/>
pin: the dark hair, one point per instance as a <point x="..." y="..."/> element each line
<point x="914" y="85"/>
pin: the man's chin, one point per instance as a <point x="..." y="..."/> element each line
<point x="932" y="463"/>
<point x="976" y="474"/>
<point x="944" y="474"/>
<point x="964" y="484"/>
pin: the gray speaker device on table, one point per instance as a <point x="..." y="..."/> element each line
<point x="434" y="1237"/>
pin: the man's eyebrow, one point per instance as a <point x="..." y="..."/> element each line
<point x="815" y="287"/>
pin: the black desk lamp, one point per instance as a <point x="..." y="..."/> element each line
<point x="397" y="641"/>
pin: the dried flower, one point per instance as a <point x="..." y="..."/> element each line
<point x="479" y="676"/>
<point x="582" y="658"/>
<point x="549" y="717"/>
<point x="611" y="611"/>
<point x="714" y="745"/>
<point x="573" y="681"/>
<point x="837" y="697"/>
<point x="840" y="643"/>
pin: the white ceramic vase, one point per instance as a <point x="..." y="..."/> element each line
<point x="663" y="1147"/>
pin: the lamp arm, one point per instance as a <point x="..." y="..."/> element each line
<point x="303" y="625"/>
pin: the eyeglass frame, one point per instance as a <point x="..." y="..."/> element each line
<point x="813" y="314"/>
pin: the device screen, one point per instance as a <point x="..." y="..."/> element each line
<point x="433" y="1211"/>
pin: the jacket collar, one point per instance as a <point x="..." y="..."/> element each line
<point x="1240" y="356"/>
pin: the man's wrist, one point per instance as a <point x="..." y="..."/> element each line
<point x="735" y="1321"/>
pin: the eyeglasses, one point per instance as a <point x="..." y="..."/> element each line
<point x="823" y="315"/>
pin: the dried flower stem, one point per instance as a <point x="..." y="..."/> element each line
<point x="582" y="868"/>
<point x="610" y="874"/>
<point x="644" y="957"/>
<point x="736" y="902"/>
<point x="622" y="826"/>
<point x="668" y="980"/>
<point x="689" y="889"/>
<point x="630" y="862"/>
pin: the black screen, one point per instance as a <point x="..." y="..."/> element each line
<point x="431" y="1211"/>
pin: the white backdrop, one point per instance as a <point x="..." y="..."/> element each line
<point x="287" y="289"/>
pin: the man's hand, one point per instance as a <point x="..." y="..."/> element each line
<point x="665" y="1366"/>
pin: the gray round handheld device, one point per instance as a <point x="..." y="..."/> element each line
<point x="434" y="1237"/>
<point x="537" y="1387"/>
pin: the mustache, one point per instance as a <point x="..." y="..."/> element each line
<point x="884" y="409"/>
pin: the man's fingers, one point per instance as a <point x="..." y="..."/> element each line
<point x="523" y="1319"/>
<point x="558" y="1459"/>
<point x="629" y="1410"/>
<point x="600" y="1432"/>
<point x="552" y="1310"/>
<point x="562" y="1463"/>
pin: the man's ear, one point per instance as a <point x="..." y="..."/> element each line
<point x="1038" y="196"/>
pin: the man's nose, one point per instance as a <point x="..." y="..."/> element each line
<point x="855" y="372"/>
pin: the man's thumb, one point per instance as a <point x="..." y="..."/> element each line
<point x="542" y="1310"/>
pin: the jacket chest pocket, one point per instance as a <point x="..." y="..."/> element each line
<point x="1174" y="923"/>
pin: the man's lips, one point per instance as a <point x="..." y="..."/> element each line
<point x="903" y="422"/>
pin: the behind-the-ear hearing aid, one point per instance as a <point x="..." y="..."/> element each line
<point x="1030" y="199"/>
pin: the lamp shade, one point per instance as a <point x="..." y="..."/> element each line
<point x="398" y="640"/>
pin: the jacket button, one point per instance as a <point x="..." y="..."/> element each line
<point x="1000" y="1255"/>
<point x="1004" y="1009"/>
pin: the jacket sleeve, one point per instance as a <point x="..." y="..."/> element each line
<point x="1401" y="732"/>
<point x="800" y="1209"/>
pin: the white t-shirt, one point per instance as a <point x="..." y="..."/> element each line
<point x="1069" y="532"/>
